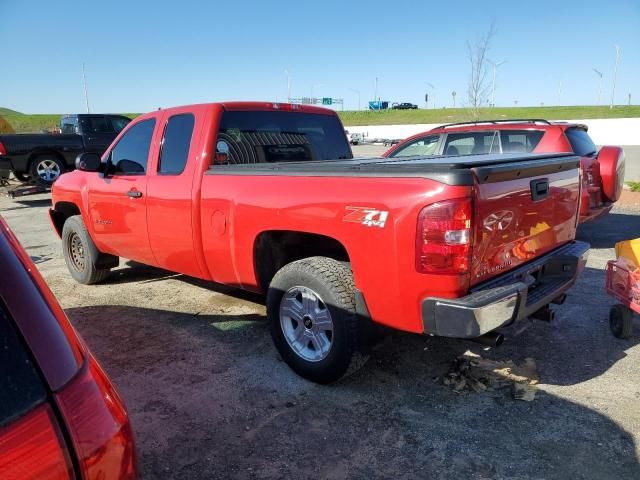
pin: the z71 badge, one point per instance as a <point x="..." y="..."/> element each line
<point x="370" y="217"/>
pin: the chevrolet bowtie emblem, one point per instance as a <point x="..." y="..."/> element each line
<point x="498" y="220"/>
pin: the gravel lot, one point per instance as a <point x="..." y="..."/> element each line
<point x="210" y="398"/>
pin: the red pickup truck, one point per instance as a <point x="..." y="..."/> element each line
<point x="267" y="197"/>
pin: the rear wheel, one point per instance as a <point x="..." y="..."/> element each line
<point x="621" y="321"/>
<point x="311" y="307"/>
<point x="45" y="169"/>
<point x="82" y="257"/>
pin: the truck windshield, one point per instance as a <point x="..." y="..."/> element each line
<point x="281" y="136"/>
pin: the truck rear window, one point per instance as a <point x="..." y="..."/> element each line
<point x="581" y="142"/>
<point x="281" y="136"/>
<point x="21" y="388"/>
<point x="520" y="141"/>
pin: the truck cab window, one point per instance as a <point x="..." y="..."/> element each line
<point x="281" y="136"/>
<point x="118" y="123"/>
<point x="98" y="124"/>
<point x="130" y="155"/>
<point x="175" y="144"/>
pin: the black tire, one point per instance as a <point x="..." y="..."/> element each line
<point x="22" y="177"/>
<point x="82" y="257"/>
<point x="621" y="321"/>
<point x="57" y="168"/>
<point x="333" y="282"/>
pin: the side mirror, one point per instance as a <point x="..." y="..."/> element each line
<point x="88" y="162"/>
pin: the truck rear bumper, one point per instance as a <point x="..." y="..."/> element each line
<point x="507" y="298"/>
<point x="5" y="163"/>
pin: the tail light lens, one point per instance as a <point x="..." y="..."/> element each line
<point x="444" y="237"/>
<point x="99" y="426"/>
<point x="3" y="151"/>
<point x="32" y="447"/>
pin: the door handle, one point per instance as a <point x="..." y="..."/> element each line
<point x="539" y="189"/>
<point x="134" y="194"/>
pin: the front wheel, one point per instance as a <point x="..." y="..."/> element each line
<point x="311" y="307"/>
<point x="82" y="257"/>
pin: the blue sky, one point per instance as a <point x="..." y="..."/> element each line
<point x="142" y="54"/>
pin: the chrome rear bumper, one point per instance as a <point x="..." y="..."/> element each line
<point x="507" y="298"/>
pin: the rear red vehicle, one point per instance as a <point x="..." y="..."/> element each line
<point x="60" y="416"/>
<point x="602" y="171"/>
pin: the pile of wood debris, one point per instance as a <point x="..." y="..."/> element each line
<point x="472" y="372"/>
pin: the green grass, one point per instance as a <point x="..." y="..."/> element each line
<point x="453" y="115"/>
<point x="23" y="123"/>
<point x="634" y="186"/>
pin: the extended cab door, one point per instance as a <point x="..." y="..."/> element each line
<point x="173" y="194"/>
<point x="118" y="201"/>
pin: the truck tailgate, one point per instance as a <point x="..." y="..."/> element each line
<point x="523" y="210"/>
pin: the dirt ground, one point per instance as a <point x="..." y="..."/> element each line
<point x="209" y="396"/>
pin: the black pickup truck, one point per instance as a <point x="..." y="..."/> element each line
<point x="41" y="158"/>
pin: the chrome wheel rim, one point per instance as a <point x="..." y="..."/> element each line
<point x="76" y="252"/>
<point x="48" y="170"/>
<point x="306" y="323"/>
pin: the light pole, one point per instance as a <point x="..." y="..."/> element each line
<point x="559" y="91"/>
<point x="358" y="92"/>
<point x="375" y="93"/>
<point x="493" y="84"/>
<point x="286" y="72"/>
<point x="426" y="103"/>
<point x="615" y="74"/>
<point x="84" y="82"/>
<point x="599" y="73"/>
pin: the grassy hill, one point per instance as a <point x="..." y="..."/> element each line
<point x="453" y="115"/>
<point x="23" y="123"/>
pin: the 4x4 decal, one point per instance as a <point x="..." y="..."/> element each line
<point x="370" y="217"/>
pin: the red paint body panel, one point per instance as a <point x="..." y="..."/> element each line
<point x="554" y="140"/>
<point x="206" y="225"/>
<point x="534" y="228"/>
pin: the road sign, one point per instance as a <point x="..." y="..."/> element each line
<point x="327" y="100"/>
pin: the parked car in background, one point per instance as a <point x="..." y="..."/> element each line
<point x="268" y="198"/>
<point x="42" y="158"/>
<point x="602" y="170"/>
<point x="356" y="138"/>
<point x="404" y="106"/>
<point x="60" y="416"/>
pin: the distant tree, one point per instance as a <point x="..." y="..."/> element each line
<point x="478" y="88"/>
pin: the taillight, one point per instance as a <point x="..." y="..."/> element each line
<point x="32" y="447"/>
<point x="3" y="151"/>
<point x="444" y="237"/>
<point x="99" y="426"/>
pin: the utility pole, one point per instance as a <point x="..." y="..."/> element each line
<point x="629" y="102"/>
<point x="615" y="74"/>
<point x="84" y="82"/>
<point x="599" y="73"/>
<point x="358" y="92"/>
<point x="493" y="84"/>
<point x="286" y="72"/>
